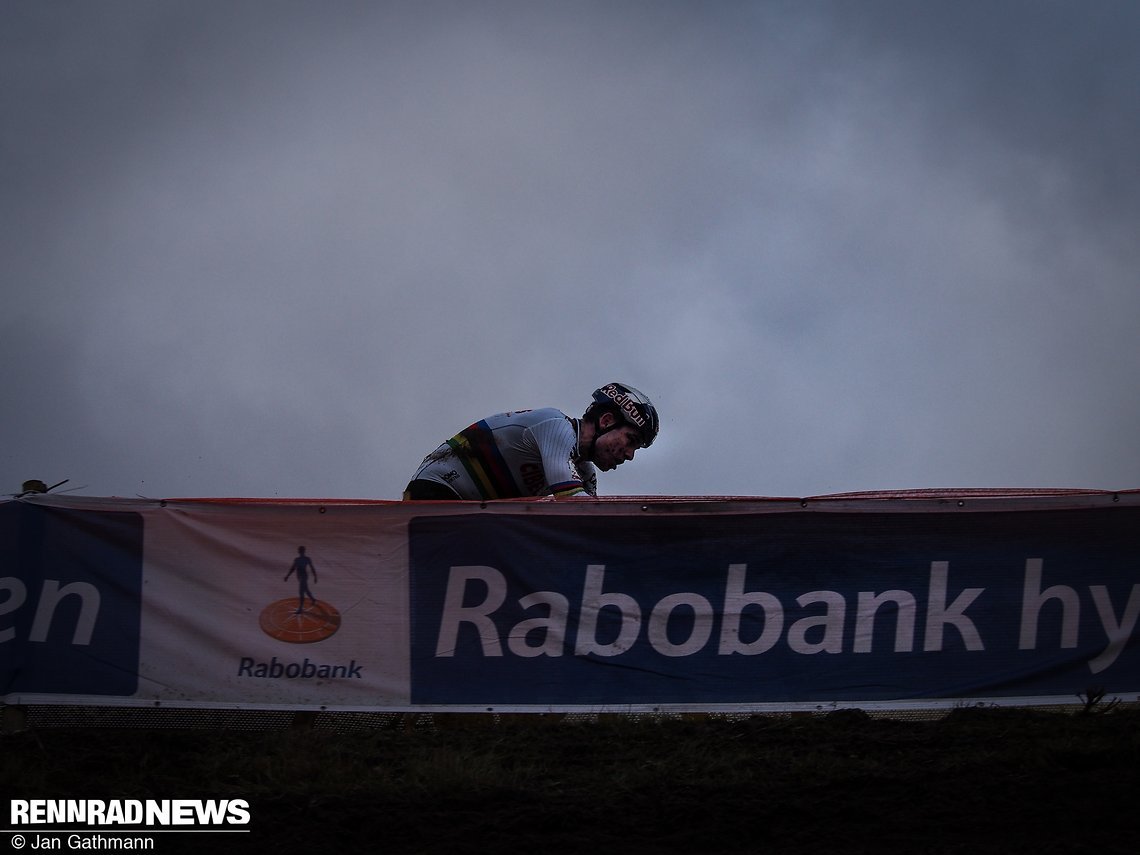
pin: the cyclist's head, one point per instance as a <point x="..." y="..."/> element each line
<point x="629" y="406"/>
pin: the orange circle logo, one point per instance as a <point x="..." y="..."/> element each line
<point x="285" y="622"/>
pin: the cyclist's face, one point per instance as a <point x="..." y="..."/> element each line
<point x="615" y="447"/>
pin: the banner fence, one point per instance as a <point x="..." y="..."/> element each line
<point x="925" y="599"/>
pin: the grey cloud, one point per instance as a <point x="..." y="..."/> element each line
<point x="282" y="250"/>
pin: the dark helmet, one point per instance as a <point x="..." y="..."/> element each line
<point x="631" y="406"/>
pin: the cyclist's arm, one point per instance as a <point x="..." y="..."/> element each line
<point x="557" y="443"/>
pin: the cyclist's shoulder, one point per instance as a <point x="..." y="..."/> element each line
<point x="529" y="418"/>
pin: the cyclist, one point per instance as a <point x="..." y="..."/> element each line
<point x="539" y="452"/>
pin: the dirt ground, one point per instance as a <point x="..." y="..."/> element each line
<point x="975" y="781"/>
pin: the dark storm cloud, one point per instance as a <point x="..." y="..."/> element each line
<point x="284" y="249"/>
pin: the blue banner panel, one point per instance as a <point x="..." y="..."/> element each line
<point x="752" y="608"/>
<point x="70" y="600"/>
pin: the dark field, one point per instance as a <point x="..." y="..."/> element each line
<point x="976" y="781"/>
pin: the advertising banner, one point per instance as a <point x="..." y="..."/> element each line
<point x="924" y="599"/>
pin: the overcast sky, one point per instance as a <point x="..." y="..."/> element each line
<point x="283" y="249"/>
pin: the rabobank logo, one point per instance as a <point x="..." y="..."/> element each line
<point x="302" y="619"/>
<point x="740" y="608"/>
<point x="70" y="600"/>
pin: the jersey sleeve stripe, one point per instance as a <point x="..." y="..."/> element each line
<point x="567" y="488"/>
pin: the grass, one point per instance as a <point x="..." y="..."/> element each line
<point x="977" y="781"/>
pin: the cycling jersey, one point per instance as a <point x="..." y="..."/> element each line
<point x="511" y="455"/>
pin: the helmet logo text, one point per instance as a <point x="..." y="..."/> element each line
<point x="627" y="405"/>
